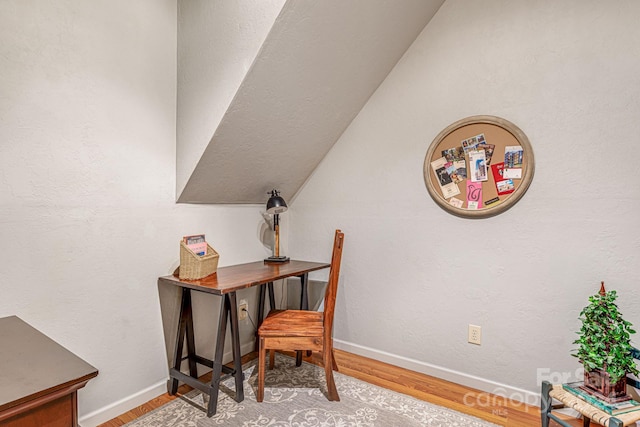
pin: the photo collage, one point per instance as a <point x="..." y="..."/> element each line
<point x="473" y="163"/>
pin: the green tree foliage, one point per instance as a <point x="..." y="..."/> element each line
<point x="604" y="338"/>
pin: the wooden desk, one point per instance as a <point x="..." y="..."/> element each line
<point x="39" y="378"/>
<point x="225" y="283"/>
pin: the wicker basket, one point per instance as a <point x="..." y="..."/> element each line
<point x="194" y="266"/>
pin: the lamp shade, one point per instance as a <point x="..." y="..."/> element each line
<point x="276" y="204"/>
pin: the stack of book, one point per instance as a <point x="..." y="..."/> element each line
<point x="196" y="243"/>
<point x="578" y="390"/>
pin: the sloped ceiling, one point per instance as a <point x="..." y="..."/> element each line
<point x="318" y="66"/>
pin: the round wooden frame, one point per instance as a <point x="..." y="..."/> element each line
<point x="499" y="132"/>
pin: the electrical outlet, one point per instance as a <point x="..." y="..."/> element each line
<point x="243" y="309"/>
<point x="475" y="334"/>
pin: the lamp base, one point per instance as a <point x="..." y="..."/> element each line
<point x="277" y="259"/>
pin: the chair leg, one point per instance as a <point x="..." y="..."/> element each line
<point x="333" y="361"/>
<point x="262" y="360"/>
<point x="272" y="358"/>
<point x="327" y="357"/>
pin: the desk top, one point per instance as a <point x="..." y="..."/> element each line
<point x="32" y="364"/>
<point x="236" y="277"/>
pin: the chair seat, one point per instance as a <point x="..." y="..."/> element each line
<point x="301" y="323"/>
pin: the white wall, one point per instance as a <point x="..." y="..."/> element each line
<point x="87" y="213"/>
<point x="87" y="146"/>
<point x="567" y="73"/>
<point x="217" y="43"/>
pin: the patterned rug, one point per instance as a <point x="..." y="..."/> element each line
<point x="295" y="397"/>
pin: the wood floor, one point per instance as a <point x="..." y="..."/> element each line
<point x="491" y="408"/>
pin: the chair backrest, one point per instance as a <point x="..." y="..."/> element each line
<point x="332" y="285"/>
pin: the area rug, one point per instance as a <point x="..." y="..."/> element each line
<point x="296" y="397"/>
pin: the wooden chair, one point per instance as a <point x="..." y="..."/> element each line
<point x="589" y="413"/>
<point x="294" y="330"/>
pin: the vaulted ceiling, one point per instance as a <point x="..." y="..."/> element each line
<point x="313" y="66"/>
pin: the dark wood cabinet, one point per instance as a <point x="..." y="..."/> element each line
<point x="39" y="378"/>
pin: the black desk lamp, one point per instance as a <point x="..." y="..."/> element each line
<point x="275" y="206"/>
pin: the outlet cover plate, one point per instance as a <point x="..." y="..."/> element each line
<point x="475" y="334"/>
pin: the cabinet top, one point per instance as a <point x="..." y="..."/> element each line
<point x="32" y="364"/>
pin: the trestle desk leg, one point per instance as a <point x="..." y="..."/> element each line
<point x="217" y="360"/>
<point x="272" y="296"/>
<point x="185" y="320"/>
<point x="261" y="302"/>
<point x="230" y="302"/>
<point x="261" y="297"/>
<point x="191" y="341"/>
<point x="304" y="298"/>
<point x="304" y="305"/>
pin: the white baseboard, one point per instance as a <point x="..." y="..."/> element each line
<point x="111" y="411"/>
<point x="461" y="378"/>
<point x="126" y="404"/>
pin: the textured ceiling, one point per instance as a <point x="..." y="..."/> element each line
<point x="318" y="66"/>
